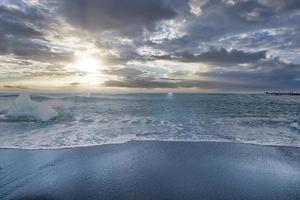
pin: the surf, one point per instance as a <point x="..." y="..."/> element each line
<point x="24" y="107"/>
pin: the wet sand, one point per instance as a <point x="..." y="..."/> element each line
<point x="152" y="170"/>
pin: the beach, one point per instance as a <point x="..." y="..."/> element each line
<point x="152" y="170"/>
<point x="149" y="100"/>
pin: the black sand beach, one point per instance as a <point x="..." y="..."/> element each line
<point x="152" y="170"/>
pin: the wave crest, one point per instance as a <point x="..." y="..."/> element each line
<point x="295" y="125"/>
<point x="25" y="108"/>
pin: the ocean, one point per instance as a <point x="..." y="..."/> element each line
<point x="47" y="121"/>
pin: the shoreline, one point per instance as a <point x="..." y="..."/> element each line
<point x="129" y="141"/>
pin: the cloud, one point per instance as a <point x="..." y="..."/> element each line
<point x="282" y="6"/>
<point x="22" y="87"/>
<point x="17" y="24"/>
<point x="124" y="72"/>
<point x="155" y="44"/>
<point x="260" y="75"/>
<point x="179" y="73"/>
<point x="23" y="28"/>
<point x="36" y="50"/>
<point x="272" y="74"/>
<point x="22" y="21"/>
<point x="217" y="56"/>
<point x="151" y="83"/>
<point x="75" y="84"/>
<point x="220" y="19"/>
<point x="128" y="17"/>
<point x="133" y="78"/>
<point x="139" y="83"/>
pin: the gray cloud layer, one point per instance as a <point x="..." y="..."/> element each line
<point x="244" y="44"/>
<point x="127" y="16"/>
<point x="218" y="56"/>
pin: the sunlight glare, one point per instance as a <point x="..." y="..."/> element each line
<point x="90" y="65"/>
<point x="86" y="63"/>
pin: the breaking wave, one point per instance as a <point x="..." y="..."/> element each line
<point x="295" y="125"/>
<point x="25" y="109"/>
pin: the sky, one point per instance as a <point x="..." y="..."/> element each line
<point x="150" y="45"/>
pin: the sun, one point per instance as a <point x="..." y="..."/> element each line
<point x="86" y="63"/>
<point x="90" y="66"/>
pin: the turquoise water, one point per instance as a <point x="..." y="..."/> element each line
<point x="92" y="119"/>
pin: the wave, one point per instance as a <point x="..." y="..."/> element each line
<point x="295" y="125"/>
<point x="103" y="97"/>
<point x="91" y="97"/>
<point x="94" y="119"/>
<point x="8" y="95"/>
<point x="25" y="109"/>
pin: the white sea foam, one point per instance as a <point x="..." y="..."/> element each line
<point x="25" y="107"/>
<point x="295" y="125"/>
<point x="105" y="119"/>
<point x="170" y="95"/>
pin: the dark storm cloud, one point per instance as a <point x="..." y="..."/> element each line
<point x="218" y="56"/>
<point x="126" y="16"/>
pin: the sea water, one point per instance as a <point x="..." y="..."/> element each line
<point x="69" y="120"/>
